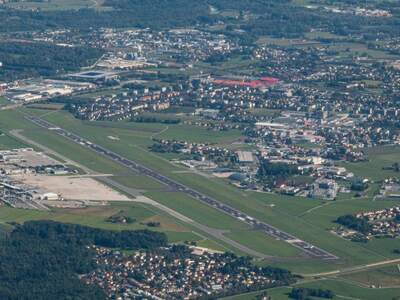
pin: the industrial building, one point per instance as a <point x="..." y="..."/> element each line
<point x="325" y="189"/>
<point x="95" y="76"/>
<point x="37" y="90"/>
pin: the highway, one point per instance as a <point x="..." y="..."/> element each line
<point x="311" y="250"/>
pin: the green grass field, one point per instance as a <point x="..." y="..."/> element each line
<point x="284" y="42"/>
<point x="3" y="101"/>
<point x="196" y="211"/>
<point x="324" y="35"/>
<point x="56" y="4"/>
<point x="342" y="289"/>
<point x="384" y="277"/>
<point x="263" y="244"/>
<point x="8" y="142"/>
<point x="350" y="48"/>
<point x="337" y="43"/>
<point x="97" y="217"/>
<point x="379" y="158"/>
<point x="46" y="106"/>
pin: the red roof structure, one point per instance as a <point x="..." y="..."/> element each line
<point x="263" y="82"/>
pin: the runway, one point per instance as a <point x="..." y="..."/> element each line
<point x="306" y="247"/>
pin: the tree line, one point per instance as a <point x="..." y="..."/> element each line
<point x="268" y="17"/>
<point x="352" y="222"/>
<point x="22" y="60"/>
<point x="309" y="293"/>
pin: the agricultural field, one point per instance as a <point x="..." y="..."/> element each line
<point x="53" y="5"/>
<point x="336" y="43"/>
<point x="378" y="159"/>
<point x="359" y="49"/>
<point x="315" y="35"/>
<point x="285" y="42"/>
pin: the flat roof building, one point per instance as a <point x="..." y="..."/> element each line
<point x="94" y="76"/>
<point x="325" y="189"/>
<point x="245" y="157"/>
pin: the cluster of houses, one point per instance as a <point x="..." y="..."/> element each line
<point x="360" y="11"/>
<point x="385" y="222"/>
<point x="241" y="167"/>
<point x="364" y="226"/>
<point x="392" y="45"/>
<point x="175" y="47"/>
<point x="171" y="274"/>
<point x="118" y="107"/>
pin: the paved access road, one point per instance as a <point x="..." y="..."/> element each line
<point x="270" y="230"/>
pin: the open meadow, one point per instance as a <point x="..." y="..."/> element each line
<point x="342" y="289"/>
<point x="97" y="217"/>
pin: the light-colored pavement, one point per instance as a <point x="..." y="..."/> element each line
<point x="355" y="269"/>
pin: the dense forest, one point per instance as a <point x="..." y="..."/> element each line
<point x="151" y="119"/>
<point x="22" y="60"/>
<point x="256" y="17"/>
<point x="308" y="294"/>
<point x="355" y="223"/>
<point x="86" y="19"/>
<point x="42" y="259"/>
<point x="272" y="173"/>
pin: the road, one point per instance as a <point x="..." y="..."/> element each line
<point x="354" y="269"/>
<point x="10" y="107"/>
<point x="306" y="247"/>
